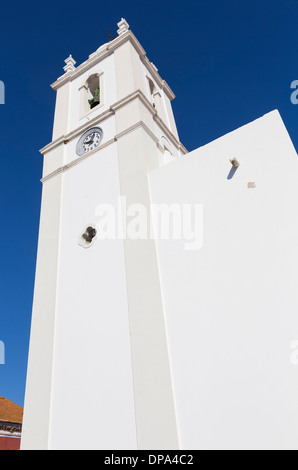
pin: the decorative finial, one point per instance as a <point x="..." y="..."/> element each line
<point x="123" y="26"/>
<point x="70" y="64"/>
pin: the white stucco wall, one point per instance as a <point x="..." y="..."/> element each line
<point x="92" y="376"/>
<point x="231" y="307"/>
<point x="80" y="365"/>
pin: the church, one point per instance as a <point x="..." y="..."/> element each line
<point x="177" y="339"/>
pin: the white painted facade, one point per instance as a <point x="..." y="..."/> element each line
<point x="231" y="306"/>
<point x="149" y="345"/>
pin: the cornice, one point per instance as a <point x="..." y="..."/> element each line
<point x="78" y="160"/>
<point x="138" y="94"/>
<point x="64" y="139"/>
<point x="75" y="162"/>
<point x="108" y="49"/>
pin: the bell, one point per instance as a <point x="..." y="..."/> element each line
<point x="95" y="100"/>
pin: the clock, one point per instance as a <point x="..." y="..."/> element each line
<point x="89" y="140"/>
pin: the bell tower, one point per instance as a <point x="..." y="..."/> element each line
<point x="98" y="358"/>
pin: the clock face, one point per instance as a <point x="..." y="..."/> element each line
<point x="89" y="140"/>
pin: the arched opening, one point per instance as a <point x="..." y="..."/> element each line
<point x="90" y="94"/>
<point x="153" y="92"/>
<point x="93" y="87"/>
<point x="155" y="97"/>
<point x="152" y="89"/>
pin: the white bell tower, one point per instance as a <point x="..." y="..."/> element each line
<point x="99" y="372"/>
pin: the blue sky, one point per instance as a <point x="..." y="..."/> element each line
<point x="228" y="62"/>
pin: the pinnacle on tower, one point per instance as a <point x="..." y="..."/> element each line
<point x="70" y="64"/>
<point x="123" y="26"/>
